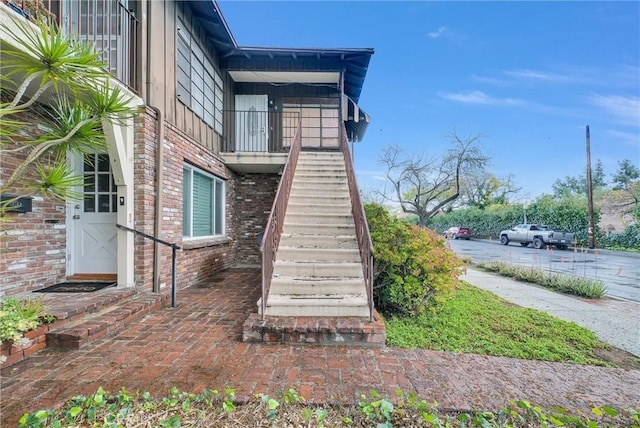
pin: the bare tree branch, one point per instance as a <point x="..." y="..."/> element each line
<point x="423" y="186"/>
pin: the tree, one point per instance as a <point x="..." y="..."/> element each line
<point x="573" y="186"/>
<point x="63" y="82"/>
<point x="422" y="186"/>
<point x="627" y="178"/>
<point x="482" y="189"/>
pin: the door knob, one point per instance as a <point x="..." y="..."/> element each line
<point x="76" y="217"/>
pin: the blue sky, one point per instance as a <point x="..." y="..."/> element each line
<point x="529" y="75"/>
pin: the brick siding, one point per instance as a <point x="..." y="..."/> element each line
<point x="32" y="245"/>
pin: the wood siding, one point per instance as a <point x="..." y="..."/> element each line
<point x="164" y="16"/>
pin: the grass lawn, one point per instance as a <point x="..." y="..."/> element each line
<point x="477" y="321"/>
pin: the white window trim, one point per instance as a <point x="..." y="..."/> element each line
<point x="193" y="169"/>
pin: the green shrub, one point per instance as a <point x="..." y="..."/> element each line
<point x="629" y="239"/>
<point x="567" y="214"/>
<point x="413" y="265"/>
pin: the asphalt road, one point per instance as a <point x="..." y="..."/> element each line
<point x="619" y="271"/>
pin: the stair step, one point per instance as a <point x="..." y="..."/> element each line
<point x="317" y="269"/>
<point x="303" y="285"/>
<point x="323" y="255"/>
<point x="318" y="306"/>
<point x="317" y="218"/>
<point x="319" y="196"/>
<point x="106" y="321"/>
<point x="319" y="229"/>
<point x="302" y="240"/>
<point x="315" y="330"/>
<point x="342" y="207"/>
<point x="299" y="197"/>
<point x="321" y="183"/>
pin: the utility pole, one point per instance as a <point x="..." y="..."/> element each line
<point x="592" y="240"/>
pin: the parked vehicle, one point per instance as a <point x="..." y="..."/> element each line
<point x="458" y="233"/>
<point x="539" y="236"/>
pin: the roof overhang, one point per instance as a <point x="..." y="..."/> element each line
<point x="320" y="77"/>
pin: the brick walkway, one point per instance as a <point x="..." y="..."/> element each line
<point x="198" y="345"/>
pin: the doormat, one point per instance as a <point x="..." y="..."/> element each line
<point x="76" y="287"/>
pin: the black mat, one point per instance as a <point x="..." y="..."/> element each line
<point x="76" y="287"/>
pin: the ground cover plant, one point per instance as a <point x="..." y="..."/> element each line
<point x="214" y="408"/>
<point x="570" y="284"/>
<point x="18" y="316"/>
<point x="477" y="321"/>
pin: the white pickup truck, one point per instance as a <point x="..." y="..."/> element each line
<point x="539" y="236"/>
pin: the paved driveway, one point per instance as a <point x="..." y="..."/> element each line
<point x="197" y="345"/>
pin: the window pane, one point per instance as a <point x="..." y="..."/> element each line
<point x="114" y="203"/>
<point x="89" y="163"/>
<point x="103" y="182"/>
<point x="89" y="183"/>
<point x="186" y="203"/>
<point x="103" y="162"/>
<point x="104" y="203"/>
<point x="202" y="205"/>
<point x="89" y="203"/>
<point x="219" y="208"/>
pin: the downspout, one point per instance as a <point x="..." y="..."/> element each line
<point x="159" y="166"/>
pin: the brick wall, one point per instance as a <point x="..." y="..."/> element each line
<point x="32" y="245"/>
<point x="253" y="199"/>
<point x="196" y="262"/>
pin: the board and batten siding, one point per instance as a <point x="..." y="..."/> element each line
<point x="162" y="60"/>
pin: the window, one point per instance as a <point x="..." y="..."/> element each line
<point x="203" y="203"/>
<point x="199" y="85"/>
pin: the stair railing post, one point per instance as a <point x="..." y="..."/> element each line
<point x="173" y="275"/>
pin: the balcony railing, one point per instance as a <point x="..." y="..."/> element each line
<point x="110" y="25"/>
<point x="259" y="131"/>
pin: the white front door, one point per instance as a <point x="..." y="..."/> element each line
<point x="93" y="220"/>
<point x="252" y="123"/>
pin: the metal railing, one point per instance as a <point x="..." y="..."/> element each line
<point x="110" y="25"/>
<point x="360" y="220"/>
<point x="271" y="237"/>
<point x="259" y="131"/>
<point x="174" y="249"/>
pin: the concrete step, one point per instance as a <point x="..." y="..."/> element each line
<point x="319" y="182"/>
<point x="317" y="218"/>
<point x="323" y="255"/>
<point x="319" y="229"/>
<point x="300" y="197"/>
<point x="106" y="321"/>
<point x="303" y="172"/>
<point x="341" y="207"/>
<point x="318" y="241"/>
<point x="321" y="192"/>
<point x="317" y="269"/>
<point x="317" y="306"/>
<point x="303" y="285"/>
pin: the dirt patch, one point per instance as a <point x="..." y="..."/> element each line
<point x="619" y="357"/>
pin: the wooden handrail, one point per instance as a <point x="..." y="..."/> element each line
<point x="360" y="220"/>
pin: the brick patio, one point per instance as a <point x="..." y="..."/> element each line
<point x="199" y="345"/>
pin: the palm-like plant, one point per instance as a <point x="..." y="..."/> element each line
<point x="63" y="81"/>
